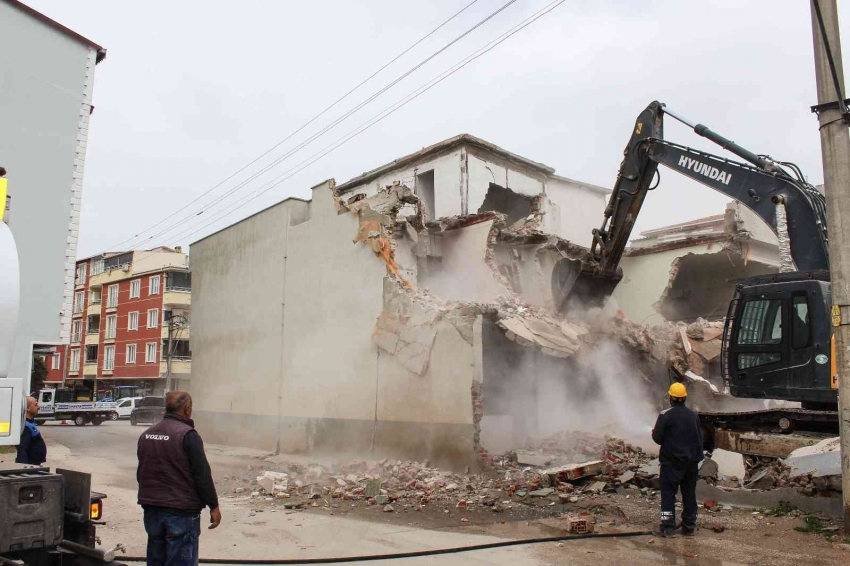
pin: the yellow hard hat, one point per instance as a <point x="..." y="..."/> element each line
<point x="677" y="390"/>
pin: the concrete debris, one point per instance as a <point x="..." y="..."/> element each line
<point x="273" y="482"/>
<point x="764" y="479"/>
<point x="527" y="458"/>
<point x="827" y="445"/>
<point x="553" y="338"/>
<point x="571" y="472"/>
<point x="708" y="469"/>
<point x="729" y="464"/>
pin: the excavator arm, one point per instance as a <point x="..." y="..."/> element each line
<point x="760" y="185"/>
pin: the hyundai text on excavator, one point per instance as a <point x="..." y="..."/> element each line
<point x="777" y="340"/>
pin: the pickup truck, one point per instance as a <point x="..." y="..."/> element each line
<point x="81" y="412"/>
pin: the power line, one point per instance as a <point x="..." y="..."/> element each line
<point x="377" y="118"/>
<point x="310" y="121"/>
<point x="327" y="128"/>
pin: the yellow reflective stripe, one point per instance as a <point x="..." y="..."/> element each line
<point x="834" y="365"/>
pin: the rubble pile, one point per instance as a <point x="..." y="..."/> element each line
<point x="413" y="485"/>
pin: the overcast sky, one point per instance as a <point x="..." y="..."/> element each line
<point x="192" y="91"/>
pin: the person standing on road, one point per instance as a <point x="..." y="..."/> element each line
<point x="32" y="449"/>
<point x="677" y="431"/>
<point x="175" y="484"/>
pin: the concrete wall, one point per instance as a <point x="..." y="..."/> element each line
<point x="644" y="279"/>
<point x="46" y="83"/>
<point x="283" y="314"/>
<point x="462" y="177"/>
<point x="579" y="210"/>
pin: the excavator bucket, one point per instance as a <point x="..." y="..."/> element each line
<point x="580" y="285"/>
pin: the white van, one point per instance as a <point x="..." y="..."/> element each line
<point x="126" y="406"/>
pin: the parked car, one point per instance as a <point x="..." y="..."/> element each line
<point x="148" y="410"/>
<point x="125" y="407"/>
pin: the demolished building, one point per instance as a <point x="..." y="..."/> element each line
<point x="685" y="274"/>
<point x="395" y="313"/>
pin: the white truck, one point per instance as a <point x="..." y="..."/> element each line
<point x="51" y="408"/>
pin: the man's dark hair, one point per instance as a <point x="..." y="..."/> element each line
<point x="176" y="401"/>
<point x="678" y="400"/>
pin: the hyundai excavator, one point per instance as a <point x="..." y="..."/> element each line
<point x="777" y="340"/>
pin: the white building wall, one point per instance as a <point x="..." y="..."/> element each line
<point x="580" y="209"/>
<point x="46" y="82"/>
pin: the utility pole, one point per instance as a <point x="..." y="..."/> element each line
<point x="178" y="322"/>
<point x="835" y="150"/>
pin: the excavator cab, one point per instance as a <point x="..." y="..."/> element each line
<point x="777" y="341"/>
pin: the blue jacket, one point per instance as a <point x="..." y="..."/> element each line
<point x="32" y="449"/>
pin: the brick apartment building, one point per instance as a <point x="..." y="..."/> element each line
<point x="125" y="306"/>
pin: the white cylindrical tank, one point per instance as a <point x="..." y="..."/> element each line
<point x="9" y="296"/>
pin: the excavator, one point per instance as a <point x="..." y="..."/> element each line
<point x="777" y="341"/>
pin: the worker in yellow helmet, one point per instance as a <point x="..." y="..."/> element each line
<point x="677" y="431"/>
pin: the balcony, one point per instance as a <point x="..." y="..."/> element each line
<point x="182" y="333"/>
<point x="92" y="338"/>
<point x="112" y="276"/>
<point x="90" y="368"/>
<point x="177" y="297"/>
<point x="179" y="365"/>
<point x="94" y="308"/>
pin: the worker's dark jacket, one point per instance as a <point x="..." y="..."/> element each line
<point x="677" y="432"/>
<point x="173" y="471"/>
<point x="32" y="449"/>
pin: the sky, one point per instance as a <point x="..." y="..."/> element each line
<point x="190" y="92"/>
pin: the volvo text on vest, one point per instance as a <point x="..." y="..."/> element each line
<point x="156" y="436"/>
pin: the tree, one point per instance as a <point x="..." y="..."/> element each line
<point x="39" y="373"/>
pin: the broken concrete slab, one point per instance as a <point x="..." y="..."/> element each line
<point x="545" y="492"/>
<point x="729" y="464"/>
<point x="531" y="459"/>
<point x="373" y="488"/>
<point x="597" y="487"/>
<point x="626" y="477"/>
<point x="763" y="479"/>
<point x="827" y="445"/>
<point x="708" y="469"/>
<point x="572" y="472"/>
<point x="818" y="465"/>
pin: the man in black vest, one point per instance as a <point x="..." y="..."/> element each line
<point x="175" y="484"/>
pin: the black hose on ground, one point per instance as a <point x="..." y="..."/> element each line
<point x="394" y="555"/>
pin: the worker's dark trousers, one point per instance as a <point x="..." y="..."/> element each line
<point x="674" y="476"/>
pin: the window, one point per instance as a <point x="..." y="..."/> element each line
<point x="131" y="354"/>
<point x="124" y="403"/>
<point x="178" y="281"/>
<point x="747" y="361"/>
<point x="75" y="359"/>
<point x="91" y="354"/>
<point x="55" y="362"/>
<point x="79" y="299"/>
<point x="111" y="326"/>
<point x="135" y="288"/>
<point x="133" y="320"/>
<point x="117" y="261"/>
<point x="93" y="326"/>
<point x="81" y="274"/>
<point x="109" y="358"/>
<point x="94" y="296"/>
<point x="153" y="318"/>
<point x="153" y="285"/>
<point x="47" y="396"/>
<point x="150" y="352"/>
<point x="96" y="266"/>
<point x="179" y="349"/>
<point x="77" y="331"/>
<point x="112" y="296"/>
<point x="800" y="322"/>
<point x="761" y="322"/>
